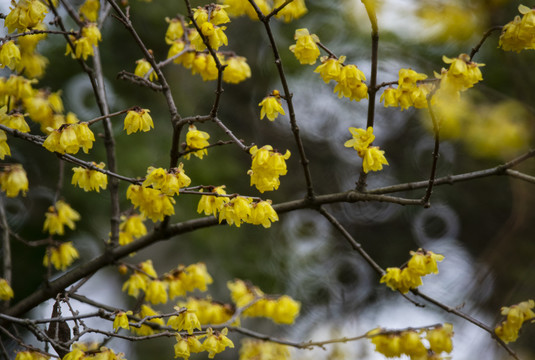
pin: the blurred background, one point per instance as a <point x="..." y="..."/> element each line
<point x="482" y="227"/>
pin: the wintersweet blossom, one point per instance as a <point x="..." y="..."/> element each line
<point x="208" y="311"/>
<point x="143" y="67"/>
<point x="26" y="14"/>
<point x="516" y="315"/>
<point x="373" y="159"/>
<point x="519" y="34"/>
<point x="175" y="30"/>
<point x="138" y="119"/>
<point x="237" y="211"/>
<point x="9" y="55"/>
<point x="89" y="10"/>
<point x="156" y="292"/>
<point x="59" y="216"/>
<point x="305" y="49"/>
<point x="121" y="320"/>
<point x="262" y="213"/>
<point x="330" y="68"/>
<point x="440" y="338"/>
<point x="212" y="204"/>
<point x="131" y="228"/>
<point x="31" y="355"/>
<point x="216" y="342"/>
<point x="69" y="138"/>
<point x="196" y="140"/>
<point x="168" y="182"/>
<point x="6" y="292"/>
<point x="61" y="257"/>
<point x="89" y="179"/>
<point x="237" y="70"/>
<point x="4" y="147"/>
<point x="83" y="46"/>
<point x="146" y="329"/>
<point x="152" y="203"/>
<point x="266" y="167"/>
<point x="293" y="10"/>
<point x="361" y="140"/>
<point x="410" y="91"/>
<point x="13" y="180"/>
<point x="271" y="106"/>
<point x="186" y="320"/>
<point x="351" y="84"/>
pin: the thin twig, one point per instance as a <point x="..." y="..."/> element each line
<point x="476" y="48"/>
<point x="521" y="176"/>
<point x="6" y="250"/>
<point x="436" y="132"/>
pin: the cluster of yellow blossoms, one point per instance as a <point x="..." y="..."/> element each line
<point x="13" y="180"/>
<point x="58" y="216"/>
<point x="89" y="10"/>
<point x="282" y="310"/>
<point x="461" y="75"/>
<point x="293" y="10"/>
<point x="89" y="179"/>
<point x="178" y="282"/>
<point x="138" y="119"/>
<point x="409" y="277"/>
<point x="252" y="349"/>
<point x="215" y="342"/>
<point x="69" y="138"/>
<point x="409" y="92"/>
<point x="349" y="78"/>
<point x="81" y="351"/>
<point x="31" y="355"/>
<point x="6" y="292"/>
<point x="83" y="45"/>
<point x="25" y="15"/>
<point x="61" y="256"/>
<point x="519" y="34"/>
<point x="196" y="142"/>
<point x="188" y="48"/>
<point x="267" y="165"/>
<point x="208" y="311"/>
<point x="516" y="316"/>
<point x="409" y="342"/>
<point x="131" y="228"/>
<point x="372" y="157"/>
<point x="155" y="202"/>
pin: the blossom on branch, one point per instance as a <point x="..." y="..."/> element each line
<point x="271" y="106"/>
<point x="61" y="257"/>
<point x="305" y="49"/>
<point x="519" y="34"/>
<point x="89" y="179"/>
<point x="9" y="55"/>
<point x="516" y="316"/>
<point x="13" y="180"/>
<point x="25" y="14"/>
<point x="293" y="10"/>
<point x="6" y="292"/>
<point x="138" y="119"/>
<point x="59" y="216"/>
<point x="196" y="140"/>
<point x="266" y="167"/>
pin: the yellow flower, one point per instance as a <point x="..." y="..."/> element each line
<point x="61" y="256"/>
<point x="138" y="119"/>
<point x="151" y="202"/>
<point x="146" y="329"/>
<point x="210" y="204"/>
<point x="305" y="49"/>
<point x="182" y="348"/>
<point x="293" y="10"/>
<point x="271" y="106"/>
<point x="186" y="320"/>
<point x="121" y="320"/>
<point x="330" y="68"/>
<point x="216" y="342"/>
<point x="89" y="10"/>
<point x="361" y="138"/>
<point x="135" y="282"/>
<point x="350" y="83"/>
<point x="58" y="216"/>
<point x="31" y="355"/>
<point x="83" y="46"/>
<point x="411" y="344"/>
<point x="196" y="140"/>
<point x="285" y="310"/>
<point x="266" y="167"/>
<point x="13" y="180"/>
<point x="518" y="34"/>
<point x="131" y="228"/>
<point x="156" y="292"/>
<point x="143" y="67"/>
<point x="237" y="70"/>
<point x="262" y="213"/>
<point x="516" y="316"/>
<point x="6" y="292"/>
<point x="263" y="350"/>
<point x="69" y="138"/>
<point x="32" y="65"/>
<point x="168" y="182"/>
<point x="25" y="14"/>
<point x="175" y="30"/>
<point x="9" y="55"/>
<point x="461" y="75"/>
<point x="4" y="147"/>
<point x="88" y="179"/>
<point x="373" y="159"/>
<point x="440" y="338"/>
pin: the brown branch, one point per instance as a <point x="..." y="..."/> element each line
<point x="7" y="265"/>
<point x="476" y="48"/>
<point x="436" y="132"/>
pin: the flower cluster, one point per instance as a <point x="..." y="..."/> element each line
<point x="461" y="75"/>
<point x="516" y="316"/>
<point x="252" y="349"/>
<point x="168" y="182"/>
<point x="4" y="147"/>
<point x="208" y="311"/>
<point x="138" y="119"/>
<point x="152" y="203"/>
<point x="271" y="106"/>
<point x="266" y="167"/>
<point x="58" y="216"/>
<point x="409" y="92"/>
<point x="243" y="210"/>
<point x="13" y="180"/>
<point x="519" y="34"/>
<point x="409" y="277"/>
<point x="185" y="320"/>
<point x="291" y="11"/>
<point x="305" y="49"/>
<point x="409" y="342"/>
<point x="187" y="279"/>
<point x="46" y="108"/>
<point x="6" y="292"/>
<point x="92" y="352"/>
<point x="282" y="310"/>
<point x="372" y="157"/>
<point x="212" y="204"/>
<point x="69" y="138"/>
<point x="14" y="120"/>
<point x="61" y="257"/>
<point x="145" y="329"/>
<point x="89" y="179"/>
<point x="214" y="343"/>
<point x="9" y="55"/>
<point x="196" y="140"/>
<point x="349" y="78"/>
<point x="131" y="228"/>
<point x="31" y="355"/>
<point x="83" y="46"/>
<point x="26" y="14"/>
<point x="208" y="19"/>
<point x="89" y="10"/>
